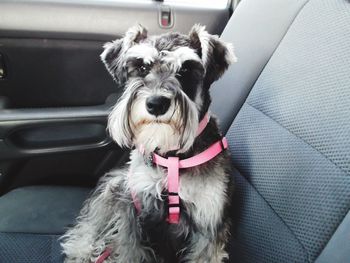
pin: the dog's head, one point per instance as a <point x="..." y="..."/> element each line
<point x="166" y="82"/>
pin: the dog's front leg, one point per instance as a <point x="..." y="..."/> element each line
<point x="107" y="220"/>
<point x="206" y="249"/>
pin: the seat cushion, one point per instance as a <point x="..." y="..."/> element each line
<point x="30" y="248"/>
<point x="33" y="218"/>
<point x="40" y="209"/>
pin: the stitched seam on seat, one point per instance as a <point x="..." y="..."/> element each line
<point x="27" y="233"/>
<point x="326" y="244"/>
<point x="268" y="60"/>
<point x="38" y="233"/>
<point x="274" y="211"/>
<point x="51" y="248"/>
<point x="300" y="138"/>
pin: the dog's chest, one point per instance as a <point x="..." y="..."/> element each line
<point x="202" y="191"/>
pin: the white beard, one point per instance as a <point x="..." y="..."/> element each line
<point x="161" y="136"/>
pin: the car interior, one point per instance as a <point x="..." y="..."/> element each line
<point x="284" y="107"/>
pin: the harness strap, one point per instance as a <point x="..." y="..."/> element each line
<point x="135" y="200"/>
<point x="104" y="255"/>
<point x="173" y="189"/>
<point x="203" y="123"/>
<point x="198" y="159"/>
<point x="174" y="165"/>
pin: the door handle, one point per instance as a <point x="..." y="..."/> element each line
<point x="36" y="131"/>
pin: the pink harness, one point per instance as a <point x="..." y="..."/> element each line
<point x="173" y="165"/>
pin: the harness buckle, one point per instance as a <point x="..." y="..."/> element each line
<point x="222" y="144"/>
<point x="173" y="205"/>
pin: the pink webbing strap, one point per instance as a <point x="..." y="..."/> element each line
<point x="174" y="165"/>
<point x="206" y="155"/>
<point x="135" y="200"/>
<point x="203" y="123"/>
<point x="173" y="188"/>
<point x="198" y="159"/>
<point x="104" y="255"/>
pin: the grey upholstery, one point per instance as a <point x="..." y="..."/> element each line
<point x="256" y="28"/>
<point x="290" y="141"/>
<point x="32" y="219"/>
<point x="337" y="249"/>
<point x="30" y="248"/>
<point x="40" y="209"/>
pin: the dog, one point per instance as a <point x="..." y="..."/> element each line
<point x="153" y="211"/>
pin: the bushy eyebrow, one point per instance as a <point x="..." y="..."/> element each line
<point x="177" y="57"/>
<point x="145" y="52"/>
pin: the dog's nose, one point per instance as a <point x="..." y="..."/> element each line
<point x="157" y="105"/>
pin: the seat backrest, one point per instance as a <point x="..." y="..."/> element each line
<point x="290" y="141"/>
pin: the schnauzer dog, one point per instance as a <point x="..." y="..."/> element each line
<point x="172" y="203"/>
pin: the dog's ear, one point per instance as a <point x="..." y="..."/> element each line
<point x="216" y="54"/>
<point x="113" y="51"/>
<point x="111" y="58"/>
<point x="135" y="35"/>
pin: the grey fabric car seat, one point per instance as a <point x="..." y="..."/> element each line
<point x="290" y="140"/>
<point x="33" y="218"/>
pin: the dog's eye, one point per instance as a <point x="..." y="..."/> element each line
<point x="143" y="69"/>
<point x="182" y="72"/>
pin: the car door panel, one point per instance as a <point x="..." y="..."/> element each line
<point x="36" y="143"/>
<point x="95" y="19"/>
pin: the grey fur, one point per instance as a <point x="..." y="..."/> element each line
<point x="109" y="218"/>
